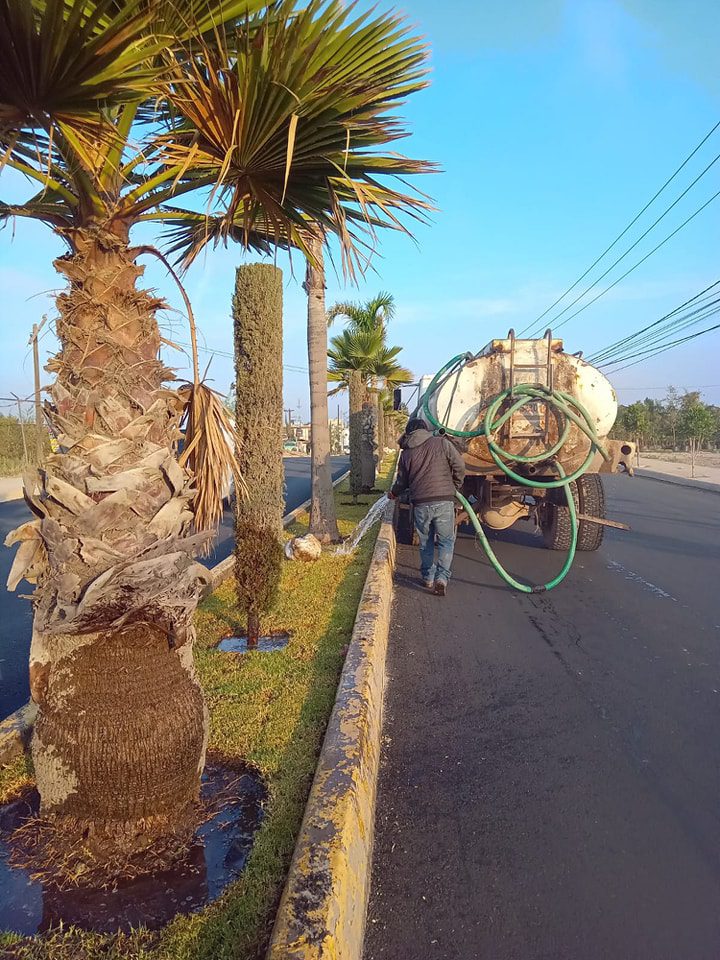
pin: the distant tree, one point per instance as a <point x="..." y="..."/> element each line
<point x="360" y="361"/>
<point x="637" y="422"/>
<point x="696" y="425"/>
<point x="370" y="320"/>
<point x="672" y="412"/>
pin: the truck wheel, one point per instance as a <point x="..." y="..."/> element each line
<point x="592" y="504"/>
<point x="589" y="498"/>
<point x="404" y="525"/>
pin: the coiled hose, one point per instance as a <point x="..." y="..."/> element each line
<point x="567" y="409"/>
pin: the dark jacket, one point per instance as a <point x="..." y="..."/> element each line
<point x="430" y="468"/>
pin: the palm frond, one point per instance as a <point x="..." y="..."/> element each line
<point x="60" y="60"/>
<point x="288" y="128"/>
<point x="274" y="119"/>
<point x="209" y="452"/>
<point x="372" y="315"/>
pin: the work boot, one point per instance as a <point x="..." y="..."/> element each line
<point x="440" y="588"/>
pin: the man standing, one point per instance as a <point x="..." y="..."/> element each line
<point x="432" y="470"/>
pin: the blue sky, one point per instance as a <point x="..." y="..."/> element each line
<point x="554" y="123"/>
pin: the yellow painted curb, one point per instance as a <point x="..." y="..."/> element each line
<point x="324" y="903"/>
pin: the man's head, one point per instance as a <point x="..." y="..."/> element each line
<point x="415" y="423"/>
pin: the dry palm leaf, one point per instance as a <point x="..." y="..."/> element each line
<point x="210" y="436"/>
<point x="209" y="452"/>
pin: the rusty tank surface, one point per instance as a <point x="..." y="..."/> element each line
<point x="461" y="401"/>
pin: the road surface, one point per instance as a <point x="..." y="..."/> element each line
<point x="15" y="612"/>
<point x="550" y="783"/>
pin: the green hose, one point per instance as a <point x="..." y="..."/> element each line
<point x="508" y="577"/>
<point x="565" y="407"/>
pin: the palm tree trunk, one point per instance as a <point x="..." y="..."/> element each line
<point x="257" y="313"/>
<point x="369" y="442"/>
<point x="323" y="522"/>
<point x="381" y="431"/>
<point x="393" y="431"/>
<point x="119" y="742"/>
<point x="356" y="397"/>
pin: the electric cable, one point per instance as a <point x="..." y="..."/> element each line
<point x="639" y="262"/>
<point x="622" y="234"/>
<point x="600" y="354"/>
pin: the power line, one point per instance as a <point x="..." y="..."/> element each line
<point x="231" y="356"/>
<point x="622" y="234"/>
<point x="639" y="262"/>
<point x="622" y="256"/>
<point x="639" y="345"/>
<point x="654" y="352"/>
<point x="692" y="319"/>
<point x="604" y="352"/>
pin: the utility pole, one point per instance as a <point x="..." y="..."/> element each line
<point x="38" y="408"/>
<point x="22" y="427"/>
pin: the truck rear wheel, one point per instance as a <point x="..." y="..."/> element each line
<point x="589" y="497"/>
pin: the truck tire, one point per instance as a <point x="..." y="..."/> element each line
<point x="592" y="504"/>
<point x="589" y="497"/>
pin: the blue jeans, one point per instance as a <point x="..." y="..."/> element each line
<point x="435" y="521"/>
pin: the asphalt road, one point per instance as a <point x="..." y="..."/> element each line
<point x="550" y="783"/>
<point x="15" y="612"/>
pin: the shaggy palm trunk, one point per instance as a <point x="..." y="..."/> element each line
<point x="356" y="397"/>
<point x="257" y="315"/>
<point x="119" y="741"/>
<point x="323" y="522"/>
<point x="381" y="431"/>
<point x="369" y="443"/>
<point x="390" y="432"/>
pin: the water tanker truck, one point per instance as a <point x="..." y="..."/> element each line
<point x="532" y="423"/>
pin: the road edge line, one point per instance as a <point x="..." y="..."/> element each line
<point x="323" y="907"/>
<point x="707" y="485"/>
<point x="16" y="729"/>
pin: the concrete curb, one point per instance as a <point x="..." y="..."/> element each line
<point x="16" y="730"/>
<point x="707" y="485"/>
<point x="322" y="911"/>
<point x="11" y="488"/>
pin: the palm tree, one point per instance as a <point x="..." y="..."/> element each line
<point x="371" y="317"/>
<point x="119" y="110"/>
<point x="375" y="314"/>
<point x="323" y="520"/>
<point x="257" y="315"/>
<point x="360" y="362"/>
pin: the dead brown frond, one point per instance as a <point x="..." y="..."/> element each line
<point x="209" y="453"/>
<point x="210" y="435"/>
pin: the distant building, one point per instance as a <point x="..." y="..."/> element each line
<point x="300" y="432"/>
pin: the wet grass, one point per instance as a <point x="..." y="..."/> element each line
<point x="269" y="710"/>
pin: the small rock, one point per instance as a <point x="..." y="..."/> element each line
<point x="305" y="548"/>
